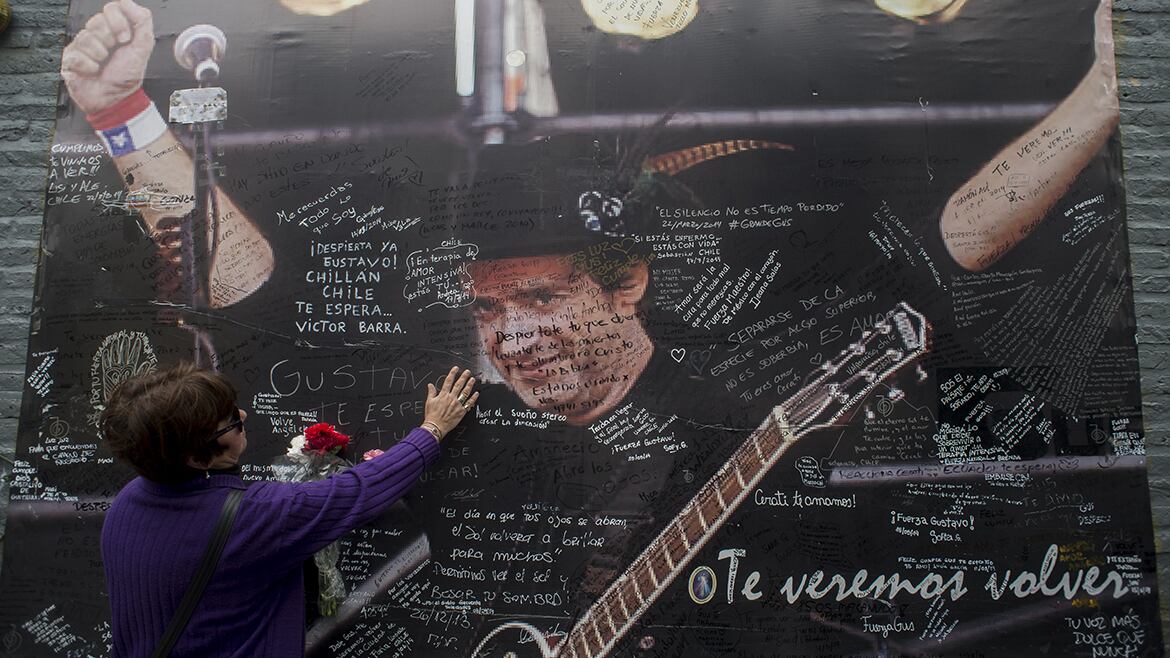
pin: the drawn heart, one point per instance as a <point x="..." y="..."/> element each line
<point x="677" y="354"/>
<point x="816" y="359"/>
<point x="251" y="375"/>
<point x="698" y="360"/>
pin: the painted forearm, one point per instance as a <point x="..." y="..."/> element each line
<point x="1012" y="193"/>
<point x="1002" y="203"/>
<point x="160" y="184"/>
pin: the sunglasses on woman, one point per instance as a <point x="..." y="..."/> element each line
<point x="236" y="424"/>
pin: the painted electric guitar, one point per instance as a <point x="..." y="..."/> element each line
<point x="831" y="392"/>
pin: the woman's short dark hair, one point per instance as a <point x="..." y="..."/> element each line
<point x="158" y="420"/>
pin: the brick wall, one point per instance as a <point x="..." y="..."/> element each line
<point x="29" y="58"/>
<point x="1142" y="29"/>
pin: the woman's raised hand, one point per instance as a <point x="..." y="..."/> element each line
<point x="447" y="405"/>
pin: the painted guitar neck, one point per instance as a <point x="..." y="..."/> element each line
<point x="831" y="392"/>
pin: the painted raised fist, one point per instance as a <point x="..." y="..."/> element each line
<point x="107" y="59"/>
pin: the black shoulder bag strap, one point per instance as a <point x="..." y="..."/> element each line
<point x="211" y="554"/>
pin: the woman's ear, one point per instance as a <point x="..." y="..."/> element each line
<point x="632" y="287"/>
<point x="198" y="465"/>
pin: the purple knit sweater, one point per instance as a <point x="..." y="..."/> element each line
<point x="155" y="534"/>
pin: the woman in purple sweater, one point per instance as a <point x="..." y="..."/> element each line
<point x="180" y="429"/>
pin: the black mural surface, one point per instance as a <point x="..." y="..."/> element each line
<point x="806" y="326"/>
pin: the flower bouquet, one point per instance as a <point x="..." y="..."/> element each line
<point x="315" y="455"/>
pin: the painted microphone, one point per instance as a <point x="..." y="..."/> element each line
<point x="199" y="49"/>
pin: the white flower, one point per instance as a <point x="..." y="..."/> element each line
<point x="296" y="448"/>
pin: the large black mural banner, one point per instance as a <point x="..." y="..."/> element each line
<point x="806" y="327"/>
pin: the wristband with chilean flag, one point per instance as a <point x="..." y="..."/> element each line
<point x="129" y="124"/>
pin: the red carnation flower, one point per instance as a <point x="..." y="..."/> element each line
<point x="322" y="438"/>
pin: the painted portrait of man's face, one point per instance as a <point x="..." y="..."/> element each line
<point x="561" y="341"/>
